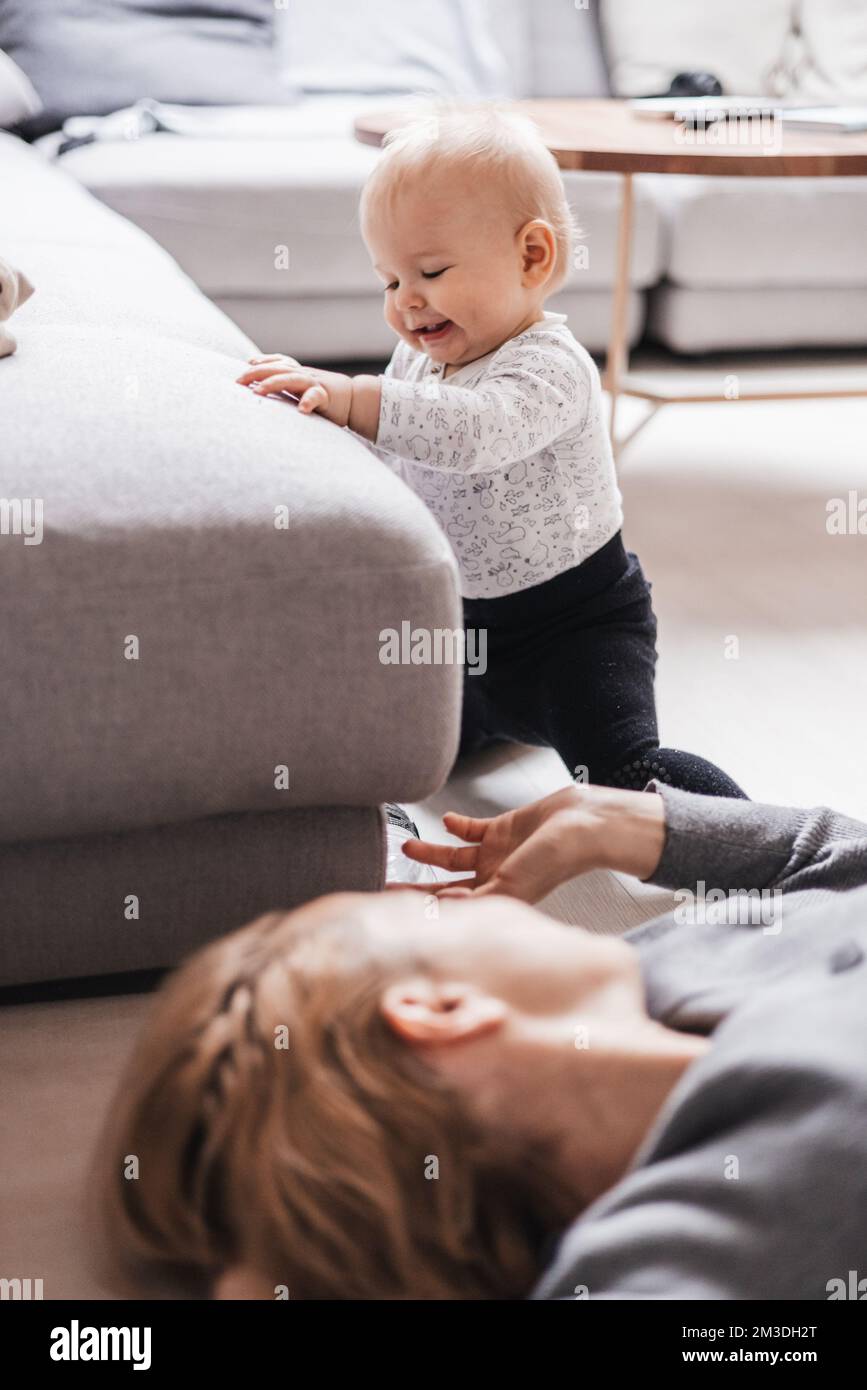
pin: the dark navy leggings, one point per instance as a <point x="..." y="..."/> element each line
<point x="570" y="666"/>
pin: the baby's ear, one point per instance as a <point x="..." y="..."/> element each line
<point x="538" y="250"/>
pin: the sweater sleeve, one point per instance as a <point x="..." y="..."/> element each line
<point x="735" y="844"/>
<point x="527" y="402"/>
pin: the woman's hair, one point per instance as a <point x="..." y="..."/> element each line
<point x="269" y="1117"/>
<point x="499" y="147"/>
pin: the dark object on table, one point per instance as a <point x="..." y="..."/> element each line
<point x="695" y="84"/>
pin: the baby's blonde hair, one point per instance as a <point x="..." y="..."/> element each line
<point x="309" y="1163"/>
<point x="498" y="146"/>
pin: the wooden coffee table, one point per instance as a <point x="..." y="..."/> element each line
<point x="606" y="136"/>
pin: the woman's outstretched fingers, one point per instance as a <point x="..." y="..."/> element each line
<point x="465" y="827"/>
<point x="451" y="857"/>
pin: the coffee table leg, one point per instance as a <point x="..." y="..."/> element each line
<point x="618" y="355"/>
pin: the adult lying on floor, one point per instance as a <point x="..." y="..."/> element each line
<point x="388" y="1096"/>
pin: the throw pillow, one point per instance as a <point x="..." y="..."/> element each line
<point x="91" y="57"/>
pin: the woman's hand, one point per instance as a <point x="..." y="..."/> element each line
<point x="329" y="393"/>
<point x="527" y="853"/>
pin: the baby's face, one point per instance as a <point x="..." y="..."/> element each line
<point x="449" y="259"/>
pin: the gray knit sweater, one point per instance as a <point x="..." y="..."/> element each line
<point x="753" y="1180"/>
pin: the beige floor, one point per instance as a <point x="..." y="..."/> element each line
<point x="726" y="506"/>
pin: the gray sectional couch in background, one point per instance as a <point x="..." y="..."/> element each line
<point x="717" y="264"/>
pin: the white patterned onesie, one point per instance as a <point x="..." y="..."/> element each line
<point x="510" y="453"/>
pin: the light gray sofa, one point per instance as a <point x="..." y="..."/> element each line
<point x="167" y="649"/>
<point x="717" y="263"/>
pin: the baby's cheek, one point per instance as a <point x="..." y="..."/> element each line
<point x="480" y="293"/>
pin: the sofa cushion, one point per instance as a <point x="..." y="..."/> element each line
<point x="729" y="319"/>
<point x="764" y="232"/>
<point x="67" y="909"/>
<point x="206" y="601"/>
<point x="565" y="47"/>
<point x="451" y="47"/>
<point x="833" y="64"/>
<point x="743" y="43"/>
<point x="224" y="207"/>
<point x="95" y="56"/>
<point x="457" y="47"/>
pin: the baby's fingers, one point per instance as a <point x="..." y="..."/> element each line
<point x="280" y="381"/>
<point x="263" y="369"/>
<point x="276" y="357"/>
<point x="314" y="398"/>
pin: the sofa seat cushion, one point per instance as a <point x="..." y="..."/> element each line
<point x="66" y="903"/>
<point x="224" y="207"/>
<point x="721" y="320"/>
<point x="272" y="217"/>
<point x="764" y="232"/>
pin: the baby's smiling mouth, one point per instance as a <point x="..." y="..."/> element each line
<point x="433" y="332"/>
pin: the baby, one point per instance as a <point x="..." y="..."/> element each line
<point x="492" y="413"/>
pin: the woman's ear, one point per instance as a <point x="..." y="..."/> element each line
<point x="537" y="246"/>
<point x="428" y="1012"/>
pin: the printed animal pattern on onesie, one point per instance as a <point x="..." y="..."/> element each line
<point x="510" y="453"/>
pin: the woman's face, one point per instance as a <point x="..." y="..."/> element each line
<point x="513" y="951"/>
<point x="504" y="986"/>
